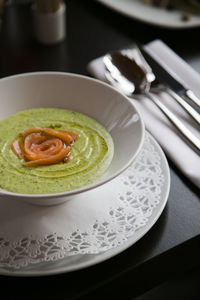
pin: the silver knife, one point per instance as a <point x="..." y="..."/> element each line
<point x="178" y="91"/>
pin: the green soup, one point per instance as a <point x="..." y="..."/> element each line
<point x="91" y="153"/>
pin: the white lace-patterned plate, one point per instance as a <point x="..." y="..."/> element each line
<point x="152" y="15"/>
<point x="143" y="193"/>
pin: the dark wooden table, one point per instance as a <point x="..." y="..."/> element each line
<point x="172" y="245"/>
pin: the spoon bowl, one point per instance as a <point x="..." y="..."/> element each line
<point x="126" y="72"/>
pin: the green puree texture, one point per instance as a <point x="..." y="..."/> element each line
<point x="90" y="157"/>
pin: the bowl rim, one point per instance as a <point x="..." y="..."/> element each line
<point x="92" y="185"/>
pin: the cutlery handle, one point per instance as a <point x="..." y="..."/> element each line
<point x="191" y="111"/>
<point x="192" y="97"/>
<point x="177" y="123"/>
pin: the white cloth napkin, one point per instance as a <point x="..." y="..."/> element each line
<point x="175" y="147"/>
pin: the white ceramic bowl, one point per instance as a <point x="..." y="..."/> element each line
<point x="83" y="94"/>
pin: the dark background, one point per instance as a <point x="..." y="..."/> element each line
<point x="165" y="262"/>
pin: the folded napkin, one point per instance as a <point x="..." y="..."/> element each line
<point x="174" y="145"/>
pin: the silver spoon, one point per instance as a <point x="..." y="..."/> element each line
<point x="134" y="78"/>
<point x="134" y="54"/>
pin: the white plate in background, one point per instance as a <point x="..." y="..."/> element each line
<point x="151" y="14"/>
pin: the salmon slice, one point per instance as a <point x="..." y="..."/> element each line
<point x="17" y="149"/>
<point x="65" y="137"/>
<point x="44" y="146"/>
<point x="51" y="159"/>
<point x="30" y="130"/>
<point x="73" y="134"/>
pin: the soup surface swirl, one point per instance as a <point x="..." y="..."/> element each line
<point x="91" y="154"/>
